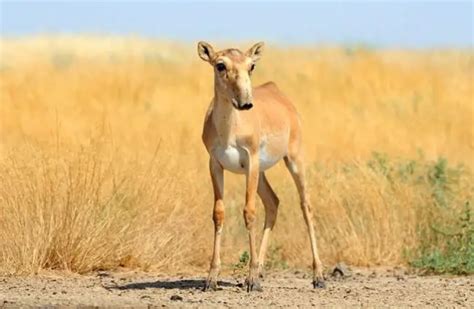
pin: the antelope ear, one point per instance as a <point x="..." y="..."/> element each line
<point x="205" y="51"/>
<point x="255" y="52"/>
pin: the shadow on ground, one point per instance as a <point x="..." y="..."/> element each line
<point x="168" y="285"/>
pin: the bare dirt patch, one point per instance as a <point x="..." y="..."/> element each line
<point x="365" y="287"/>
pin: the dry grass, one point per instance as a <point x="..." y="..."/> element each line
<point x="101" y="163"/>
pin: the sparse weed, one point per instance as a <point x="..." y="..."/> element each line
<point x="241" y="266"/>
<point x="275" y="259"/>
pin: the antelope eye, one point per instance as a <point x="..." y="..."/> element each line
<point x="252" y="67"/>
<point x="220" y="67"/>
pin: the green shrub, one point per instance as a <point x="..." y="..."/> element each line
<point x="452" y="250"/>
<point x="447" y="240"/>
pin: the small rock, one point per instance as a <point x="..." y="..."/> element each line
<point x="176" y="297"/>
<point x="400" y="277"/>
<point x="103" y="274"/>
<point x="341" y="270"/>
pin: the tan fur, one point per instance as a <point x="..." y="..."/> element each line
<point x="249" y="142"/>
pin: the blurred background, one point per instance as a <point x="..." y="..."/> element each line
<point x="101" y="111"/>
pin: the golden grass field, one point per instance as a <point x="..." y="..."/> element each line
<point x="102" y="165"/>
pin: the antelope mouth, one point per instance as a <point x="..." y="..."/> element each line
<point x="243" y="107"/>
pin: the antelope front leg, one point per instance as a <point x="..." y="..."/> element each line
<point x="250" y="216"/>
<point x="217" y="175"/>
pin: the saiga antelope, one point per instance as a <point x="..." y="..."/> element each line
<point x="246" y="131"/>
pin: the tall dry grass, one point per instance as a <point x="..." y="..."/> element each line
<point x="101" y="163"/>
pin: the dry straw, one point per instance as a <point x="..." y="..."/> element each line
<point x="101" y="162"/>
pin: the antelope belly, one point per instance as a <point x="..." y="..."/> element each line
<point x="235" y="159"/>
<point x="267" y="160"/>
<point x="232" y="158"/>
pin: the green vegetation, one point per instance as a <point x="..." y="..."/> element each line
<point x="451" y="247"/>
<point x="243" y="260"/>
<point x="447" y="242"/>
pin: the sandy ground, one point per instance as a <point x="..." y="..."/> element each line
<point x="363" y="288"/>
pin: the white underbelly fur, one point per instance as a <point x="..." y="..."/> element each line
<point x="235" y="159"/>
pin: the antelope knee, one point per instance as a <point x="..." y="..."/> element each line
<point x="249" y="216"/>
<point x="218" y="215"/>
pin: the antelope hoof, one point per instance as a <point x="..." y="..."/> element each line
<point x="210" y="285"/>
<point x="319" y="284"/>
<point x="253" y="285"/>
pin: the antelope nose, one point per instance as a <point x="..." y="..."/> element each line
<point x="247" y="106"/>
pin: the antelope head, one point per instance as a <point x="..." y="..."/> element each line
<point x="232" y="71"/>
